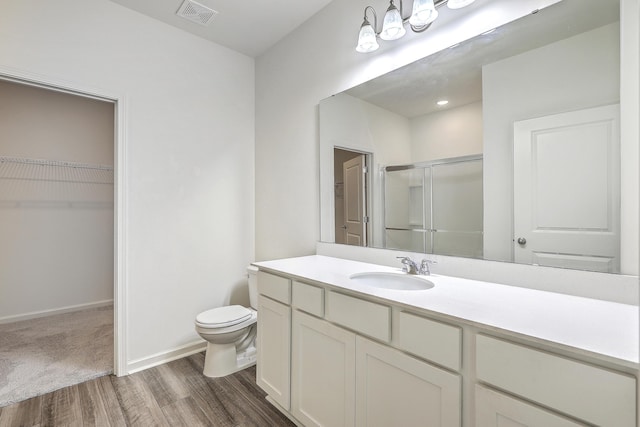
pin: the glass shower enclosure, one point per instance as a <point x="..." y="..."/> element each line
<point x="435" y="207"/>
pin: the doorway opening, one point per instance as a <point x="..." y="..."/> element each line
<point x="66" y="195"/>
<point x="352" y="196"/>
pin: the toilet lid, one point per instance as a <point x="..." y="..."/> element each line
<point x="224" y="316"/>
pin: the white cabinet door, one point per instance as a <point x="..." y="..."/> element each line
<point x="394" y="389"/>
<point x="274" y="349"/>
<point x="495" y="409"/>
<point x="322" y="372"/>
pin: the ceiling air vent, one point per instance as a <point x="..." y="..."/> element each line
<point x="196" y="12"/>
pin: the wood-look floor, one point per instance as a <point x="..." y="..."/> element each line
<point x="173" y="394"/>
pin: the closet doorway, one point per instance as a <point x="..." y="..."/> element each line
<point x="56" y="237"/>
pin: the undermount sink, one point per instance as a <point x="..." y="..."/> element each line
<point x="395" y="281"/>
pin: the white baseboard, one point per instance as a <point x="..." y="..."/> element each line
<point x="54" y="311"/>
<point x="165" y="356"/>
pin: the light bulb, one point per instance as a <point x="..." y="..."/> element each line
<point x="367" y="38"/>
<point x="392" y="26"/>
<point x="424" y="12"/>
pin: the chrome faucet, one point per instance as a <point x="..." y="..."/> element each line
<point x="411" y="267"/>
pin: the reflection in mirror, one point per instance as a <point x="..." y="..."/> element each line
<point x="351" y="195"/>
<point x="534" y="103"/>
<point x="435" y="207"/>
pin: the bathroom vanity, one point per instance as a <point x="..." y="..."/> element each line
<point x="338" y="351"/>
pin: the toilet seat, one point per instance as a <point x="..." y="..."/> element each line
<point x="225" y="319"/>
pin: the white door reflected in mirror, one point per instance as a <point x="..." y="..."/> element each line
<point x="567" y="190"/>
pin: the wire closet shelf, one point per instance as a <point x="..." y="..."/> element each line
<point x="26" y="169"/>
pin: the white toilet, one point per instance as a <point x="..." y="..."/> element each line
<point x="230" y="333"/>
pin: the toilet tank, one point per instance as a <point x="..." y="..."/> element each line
<point x="253" y="286"/>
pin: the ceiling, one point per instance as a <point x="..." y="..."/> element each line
<point x="246" y="27"/>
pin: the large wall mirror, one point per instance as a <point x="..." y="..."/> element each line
<point x="505" y="147"/>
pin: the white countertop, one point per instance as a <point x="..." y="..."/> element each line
<point x="598" y="327"/>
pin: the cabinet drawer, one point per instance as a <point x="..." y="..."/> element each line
<point x="307" y="298"/>
<point x="435" y="341"/>
<point x="275" y="287"/>
<point x="495" y="409"/>
<point x="586" y="392"/>
<point x="367" y="317"/>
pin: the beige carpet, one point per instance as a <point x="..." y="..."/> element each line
<point x="45" y="354"/>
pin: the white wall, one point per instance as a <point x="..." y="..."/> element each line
<point x="521" y="87"/>
<point x="189" y="130"/>
<point x="630" y="134"/>
<point x="461" y="126"/>
<point x="56" y="237"/>
<point x="315" y="61"/>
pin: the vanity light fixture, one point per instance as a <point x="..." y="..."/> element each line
<point x="367" y="39"/>
<point x="422" y="16"/>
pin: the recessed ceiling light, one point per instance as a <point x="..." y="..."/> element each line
<point x="442" y="102"/>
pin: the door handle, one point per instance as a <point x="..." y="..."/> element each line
<point x="522" y="241"/>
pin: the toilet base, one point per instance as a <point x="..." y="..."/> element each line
<point x="223" y="359"/>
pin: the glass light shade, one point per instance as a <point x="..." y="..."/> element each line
<point x="424" y="12"/>
<point x="392" y="26"/>
<point x="458" y="4"/>
<point x="367" y="38"/>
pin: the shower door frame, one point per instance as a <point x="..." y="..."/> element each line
<point x="428" y="230"/>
